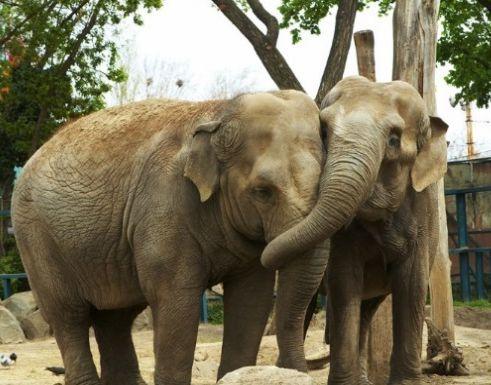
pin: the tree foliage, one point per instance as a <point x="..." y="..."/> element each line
<point x="465" y="44"/>
<point x="465" y="41"/>
<point x="56" y="62"/>
<point x="305" y="15"/>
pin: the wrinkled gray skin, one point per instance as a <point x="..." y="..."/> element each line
<point x="378" y="203"/>
<point x="153" y="202"/>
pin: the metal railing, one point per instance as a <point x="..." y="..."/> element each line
<point x="464" y="251"/>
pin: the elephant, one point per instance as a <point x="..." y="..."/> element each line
<point x="153" y="202"/>
<point x="378" y="205"/>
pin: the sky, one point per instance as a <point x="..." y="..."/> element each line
<point x="194" y="34"/>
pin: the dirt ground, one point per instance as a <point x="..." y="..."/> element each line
<point x="33" y="357"/>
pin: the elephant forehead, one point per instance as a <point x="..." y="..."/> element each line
<point x="279" y="107"/>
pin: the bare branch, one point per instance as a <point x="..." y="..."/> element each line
<point x="334" y="70"/>
<point x="273" y="61"/>
<point x="267" y="18"/>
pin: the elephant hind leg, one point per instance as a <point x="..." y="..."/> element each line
<point x="71" y="330"/>
<point x="119" y="364"/>
<point x="60" y="303"/>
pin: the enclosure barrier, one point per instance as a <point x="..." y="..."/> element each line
<point x="464" y="251"/>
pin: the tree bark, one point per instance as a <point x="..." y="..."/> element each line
<point x="263" y="44"/>
<point x="336" y="62"/>
<point x="43" y="115"/>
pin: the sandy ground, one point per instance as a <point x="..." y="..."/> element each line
<point x="35" y="356"/>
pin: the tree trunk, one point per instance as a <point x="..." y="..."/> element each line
<point x="334" y="70"/>
<point x="415" y="39"/>
<point x="415" y="32"/>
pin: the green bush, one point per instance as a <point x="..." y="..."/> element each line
<point x="215" y="312"/>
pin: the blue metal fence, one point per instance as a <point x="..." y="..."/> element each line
<point x="464" y="251"/>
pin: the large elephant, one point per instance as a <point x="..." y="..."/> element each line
<point x="152" y="202"/>
<point x="377" y="200"/>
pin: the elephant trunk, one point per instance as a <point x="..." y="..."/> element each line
<point x="347" y="180"/>
<point x="297" y="283"/>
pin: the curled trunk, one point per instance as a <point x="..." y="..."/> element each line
<point x="297" y="283"/>
<point x="348" y="178"/>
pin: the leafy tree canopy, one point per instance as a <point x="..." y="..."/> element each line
<point x="465" y="41"/>
<point x="56" y="62"/>
<point x="465" y="44"/>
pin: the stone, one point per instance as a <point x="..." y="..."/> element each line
<point x="34" y="326"/>
<point x="21" y="304"/>
<point x="271" y="375"/>
<point x="10" y="330"/>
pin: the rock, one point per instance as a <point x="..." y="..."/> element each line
<point x="144" y="320"/>
<point x="35" y="326"/>
<point x="21" y="304"/>
<point x="271" y="375"/>
<point x="10" y="330"/>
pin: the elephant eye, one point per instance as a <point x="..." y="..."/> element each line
<point x="262" y="194"/>
<point x="394" y="141"/>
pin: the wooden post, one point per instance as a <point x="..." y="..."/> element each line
<point x="365" y="53"/>
<point x="380" y="333"/>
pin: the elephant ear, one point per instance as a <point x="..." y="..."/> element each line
<point x="202" y="163"/>
<point x="431" y="162"/>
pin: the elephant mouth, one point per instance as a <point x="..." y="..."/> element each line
<point x="380" y="205"/>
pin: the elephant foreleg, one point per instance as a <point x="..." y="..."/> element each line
<point x="409" y="287"/>
<point x="175" y="319"/>
<point x="248" y="300"/>
<point x="345" y="279"/>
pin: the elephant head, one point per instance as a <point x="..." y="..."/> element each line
<point x="381" y="143"/>
<point x="261" y="160"/>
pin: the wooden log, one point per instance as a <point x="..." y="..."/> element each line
<point x="365" y="53"/>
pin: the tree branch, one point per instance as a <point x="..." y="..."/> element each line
<point x="334" y="70"/>
<point x="267" y="18"/>
<point x="50" y="50"/>
<point x="68" y="62"/>
<point x="273" y="61"/>
<point x="486" y="4"/>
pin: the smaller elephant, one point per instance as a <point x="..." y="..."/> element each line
<point x="149" y="204"/>
<point x="378" y="204"/>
